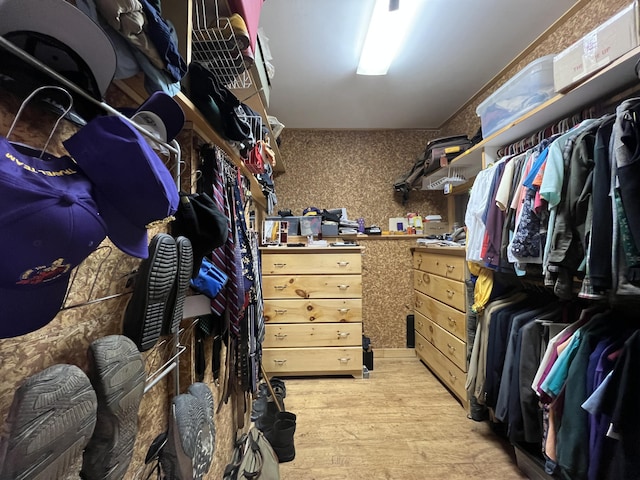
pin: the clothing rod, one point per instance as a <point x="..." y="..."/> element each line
<point x="7" y="45"/>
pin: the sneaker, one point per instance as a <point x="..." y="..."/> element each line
<point x="117" y="374"/>
<point x="50" y="422"/>
<point x="144" y="316"/>
<point x="184" y="439"/>
<point x="174" y="307"/>
<point x="202" y="460"/>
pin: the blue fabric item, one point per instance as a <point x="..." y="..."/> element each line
<point x="209" y="280"/>
<point x="535" y="168"/>
<point x="164" y="38"/>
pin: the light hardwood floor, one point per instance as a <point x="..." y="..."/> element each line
<point x="399" y="424"/>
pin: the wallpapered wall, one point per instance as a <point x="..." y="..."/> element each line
<point x="356" y="170"/>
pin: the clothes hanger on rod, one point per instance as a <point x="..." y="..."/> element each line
<point x="55" y="125"/>
<point x="173" y="147"/>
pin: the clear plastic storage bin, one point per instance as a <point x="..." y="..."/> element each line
<point x="530" y="87"/>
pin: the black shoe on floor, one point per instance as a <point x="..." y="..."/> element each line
<point x="117" y="374"/>
<point x="50" y="421"/>
<point x="174" y="307"/>
<point x="144" y="316"/>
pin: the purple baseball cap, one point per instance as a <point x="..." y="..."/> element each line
<point x="49" y="223"/>
<point x="132" y="186"/>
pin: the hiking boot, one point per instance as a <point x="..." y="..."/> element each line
<point x="144" y="316"/>
<point x="50" y="422"/>
<point x="118" y="376"/>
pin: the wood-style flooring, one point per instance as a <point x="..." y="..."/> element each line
<point x="399" y="424"/>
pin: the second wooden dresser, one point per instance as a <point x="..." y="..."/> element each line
<point x="312" y="310"/>
<point x="440" y="314"/>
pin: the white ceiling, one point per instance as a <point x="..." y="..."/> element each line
<point x="455" y="47"/>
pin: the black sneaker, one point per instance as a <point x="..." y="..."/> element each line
<point x="145" y="312"/>
<point x="50" y="422"/>
<point x="184" y="439"/>
<point x="174" y="307"/>
<point x="118" y="375"/>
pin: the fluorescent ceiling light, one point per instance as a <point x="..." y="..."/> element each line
<point x="386" y="34"/>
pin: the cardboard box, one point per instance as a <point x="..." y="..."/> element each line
<point x="611" y="40"/>
<point x="435" y="228"/>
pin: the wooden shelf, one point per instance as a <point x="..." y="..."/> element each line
<point x="613" y="78"/>
<point x="135" y="89"/>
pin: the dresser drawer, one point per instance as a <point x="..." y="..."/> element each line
<point x="448" y="266"/>
<point x="314" y="335"/>
<point x="309" y="264"/>
<point x="303" y="311"/>
<point x="313" y="361"/>
<point x="312" y="286"/>
<point x="450" y="346"/>
<point x="447" y="371"/>
<point x="451" y="292"/>
<point x="447" y="317"/>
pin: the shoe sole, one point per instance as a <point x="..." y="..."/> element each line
<point x="50" y="421"/>
<point x="204" y="456"/>
<point x="117" y="374"/>
<point x="175" y="304"/>
<point x="145" y="311"/>
<point x="184" y="439"/>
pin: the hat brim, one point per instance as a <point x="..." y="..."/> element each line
<point x="132" y="239"/>
<point x="27" y="309"/>
<point x="66" y="23"/>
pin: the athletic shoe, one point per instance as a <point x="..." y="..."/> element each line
<point x="203" y="457"/>
<point x="145" y="312"/>
<point x="50" y="422"/>
<point x="174" y="307"/>
<point x="117" y="374"/>
<point x="184" y="439"/>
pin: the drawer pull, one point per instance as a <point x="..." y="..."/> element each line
<point x="280" y="362"/>
<point x="281" y="311"/>
<point x="450" y="267"/>
<point x="279" y="287"/>
<point x="450" y="293"/>
<point x="426" y="278"/>
<point x="344" y="360"/>
<point x="437" y="263"/>
<point x="452" y="321"/>
<point x="280" y="336"/>
<point x="279" y="265"/>
<point x="418" y="303"/>
<point x="431" y="328"/>
<point x="452" y="376"/>
<point x="451" y="348"/>
<point x="343" y="310"/>
<point x="420" y="324"/>
<point x="343" y="335"/>
<point x="343" y="287"/>
<point x="343" y="264"/>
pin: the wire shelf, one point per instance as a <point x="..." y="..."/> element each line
<point x="215" y="46"/>
<point x="453" y="177"/>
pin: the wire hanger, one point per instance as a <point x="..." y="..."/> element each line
<point x="55" y="125"/>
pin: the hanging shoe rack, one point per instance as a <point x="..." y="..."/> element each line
<point x="173" y="164"/>
<point x="215" y="46"/>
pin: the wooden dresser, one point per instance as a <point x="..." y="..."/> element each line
<point x="440" y="314"/>
<point x="312" y="310"/>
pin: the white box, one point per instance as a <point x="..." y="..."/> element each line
<point x="598" y="48"/>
